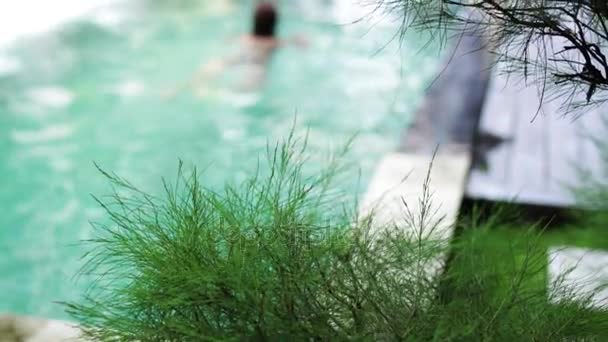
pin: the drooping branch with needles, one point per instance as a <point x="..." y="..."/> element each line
<point x="561" y="45"/>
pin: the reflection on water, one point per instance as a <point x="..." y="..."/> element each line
<point x="90" y="92"/>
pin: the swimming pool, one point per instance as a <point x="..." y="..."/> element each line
<point x="91" y="92"/>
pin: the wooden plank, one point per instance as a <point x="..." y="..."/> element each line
<point x="567" y="151"/>
<point x="593" y="133"/>
<point x="539" y="150"/>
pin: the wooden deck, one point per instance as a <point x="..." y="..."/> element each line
<point x="521" y="151"/>
<point x="539" y="151"/>
<point x="498" y="142"/>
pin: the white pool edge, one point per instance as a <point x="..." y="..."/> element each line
<point x="401" y="176"/>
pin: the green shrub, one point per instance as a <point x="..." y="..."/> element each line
<point x="278" y="257"/>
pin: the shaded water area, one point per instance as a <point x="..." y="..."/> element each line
<point x="90" y="92"/>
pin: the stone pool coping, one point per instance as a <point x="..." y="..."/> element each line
<point x="14" y="328"/>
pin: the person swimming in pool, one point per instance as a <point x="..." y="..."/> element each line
<point x="257" y="49"/>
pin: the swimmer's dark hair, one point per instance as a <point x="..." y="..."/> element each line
<point x="265" y="20"/>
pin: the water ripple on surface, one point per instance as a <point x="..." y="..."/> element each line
<point x="95" y="98"/>
<point x="65" y="214"/>
<point x="49" y="133"/>
<point x="129" y="88"/>
<point x="51" y="96"/>
<point x="61" y="164"/>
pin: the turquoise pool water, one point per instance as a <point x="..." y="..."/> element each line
<point x="90" y="91"/>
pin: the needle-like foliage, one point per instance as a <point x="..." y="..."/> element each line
<point x="278" y="258"/>
<point x="561" y="45"/>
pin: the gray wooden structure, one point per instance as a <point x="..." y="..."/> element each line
<point x="522" y="150"/>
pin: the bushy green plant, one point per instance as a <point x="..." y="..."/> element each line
<point x="498" y="281"/>
<point x="278" y="257"/>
